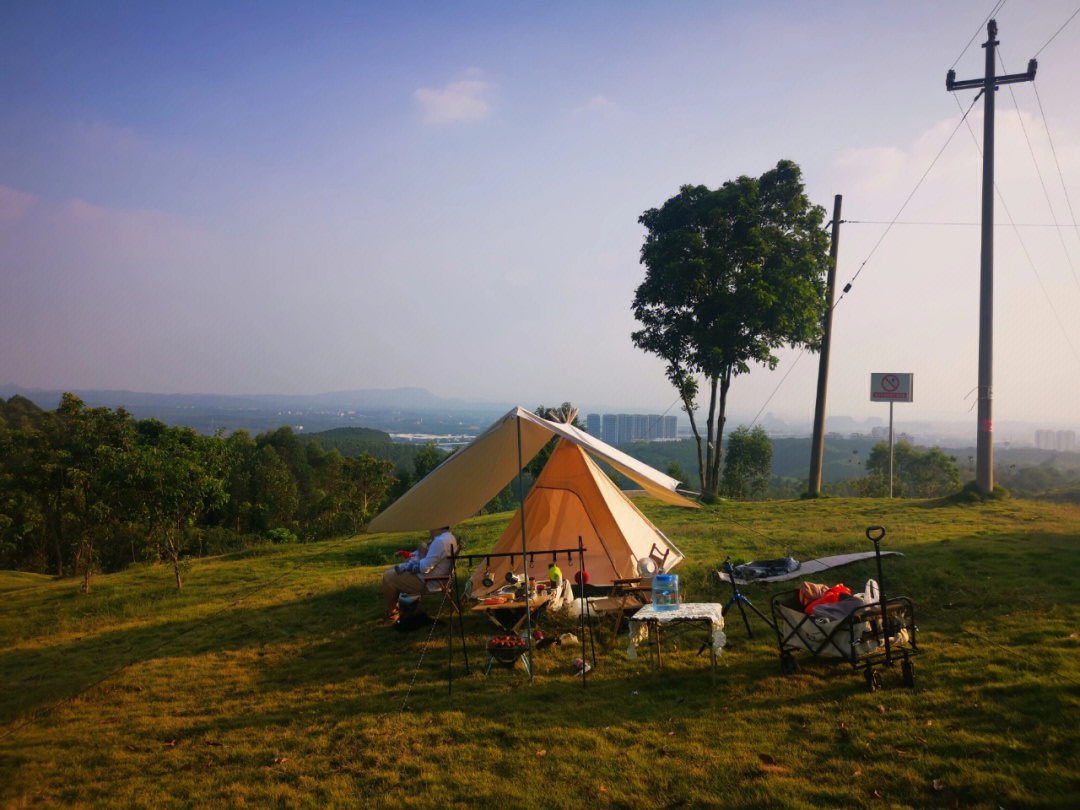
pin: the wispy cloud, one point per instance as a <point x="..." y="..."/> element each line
<point x="597" y="108"/>
<point x="466" y="99"/>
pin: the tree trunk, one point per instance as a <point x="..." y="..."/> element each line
<point x="697" y="437"/>
<point x="721" y="420"/>
<point x="176" y="570"/>
<point x="709" y="484"/>
<point x="86" y="579"/>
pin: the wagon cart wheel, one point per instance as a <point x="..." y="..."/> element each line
<point x="788" y="665"/>
<point x="873" y="680"/>
<point x="907" y="669"/>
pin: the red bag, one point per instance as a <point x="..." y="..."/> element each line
<point x="831" y="596"/>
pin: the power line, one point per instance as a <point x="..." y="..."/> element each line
<point x="790" y="369"/>
<point x="847" y="287"/>
<point x="1057" y="163"/>
<point x="1042" y="182"/>
<point x="1000" y="4"/>
<point x="1031" y="264"/>
<point x="1043" y="48"/>
<point x="965" y="224"/>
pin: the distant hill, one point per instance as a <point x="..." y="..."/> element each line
<point x="17" y="412"/>
<point x="412" y="399"/>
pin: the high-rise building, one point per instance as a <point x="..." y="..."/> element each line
<point x="656" y="427"/>
<point x="641" y="427"/>
<point x="592" y="424"/>
<point x="626" y="428"/>
<point x="1065" y="441"/>
<point x="610" y="432"/>
<point x="671" y="427"/>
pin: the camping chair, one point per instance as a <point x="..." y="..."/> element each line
<point x="635" y="591"/>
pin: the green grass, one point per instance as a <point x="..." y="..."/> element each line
<point x="294" y="697"/>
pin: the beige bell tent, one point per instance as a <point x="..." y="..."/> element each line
<point x="463" y="484"/>
<point x="571" y="497"/>
<point x="574" y="498"/>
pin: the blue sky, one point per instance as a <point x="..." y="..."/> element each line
<point x="303" y="197"/>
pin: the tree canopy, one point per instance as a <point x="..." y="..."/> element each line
<point x="747" y="463"/>
<point x="731" y="276"/>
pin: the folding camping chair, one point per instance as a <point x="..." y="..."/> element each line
<point x="635" y="591"/>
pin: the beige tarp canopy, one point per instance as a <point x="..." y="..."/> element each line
<point x="459" y="487"/>
<point x="574" y="498"/>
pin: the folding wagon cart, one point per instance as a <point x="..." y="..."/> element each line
<point x="881" y="632"/>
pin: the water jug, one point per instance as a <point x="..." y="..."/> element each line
<point x="665" y="591"/>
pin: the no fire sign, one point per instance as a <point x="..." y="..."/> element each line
<point x="891" y="388"/>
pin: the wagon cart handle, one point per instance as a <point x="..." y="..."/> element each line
<point x="875" y="534"/>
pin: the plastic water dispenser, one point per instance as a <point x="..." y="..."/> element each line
<point x="665" y="591"/>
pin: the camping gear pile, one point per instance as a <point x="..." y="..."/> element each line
<point x="620" y="557"/>
<point x="863" y="629"/>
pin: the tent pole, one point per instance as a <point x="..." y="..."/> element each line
<point x="457" y="607"/>
<point x="583" y="608"/>
<point x="524" y="551"/>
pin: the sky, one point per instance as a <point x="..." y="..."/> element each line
<point x="295" y="198"/>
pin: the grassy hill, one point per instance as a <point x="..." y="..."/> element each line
<point x="297" y="697"/>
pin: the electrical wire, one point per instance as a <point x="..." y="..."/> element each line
<point x="1043" y="48"/>
<point x="1038" y="171"/>
<point x="847" y="287"/>
<point x="1057" y="163"/>
<point x="777" y="388"/>
<point x="1023" y="246"/>
<point x="1000" y="4"/>
<point x="965" y="224"/>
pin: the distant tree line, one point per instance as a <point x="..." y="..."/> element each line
<point x="84" y="489"/>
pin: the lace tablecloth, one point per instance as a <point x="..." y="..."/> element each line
<point x="689" y="611"/>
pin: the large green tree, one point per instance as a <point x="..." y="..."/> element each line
<point x="731" y="275"/>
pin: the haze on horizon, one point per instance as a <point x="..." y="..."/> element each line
<point x="271" y="198"/>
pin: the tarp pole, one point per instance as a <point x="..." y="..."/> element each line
<point x="524" y="550"/>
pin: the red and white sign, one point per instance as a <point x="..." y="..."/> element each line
<point x="891" y="388"/>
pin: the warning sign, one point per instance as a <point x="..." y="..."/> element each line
<point x="891" y="388"/>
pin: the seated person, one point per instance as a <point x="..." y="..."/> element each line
<point x="406" y="577"/>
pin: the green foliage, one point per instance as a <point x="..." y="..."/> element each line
<point x="747" y="463"/>
<point x="293" y="697"/>
<point x="970" y="493"/>
<point x="675" y="470"/>
<point x="426" y="460"/>
<point x="352" y="441"/>
<point x="89" y="489"/>
<point x="732" y="275"/>
<point x="917" y="472"/>
<point x="280" y="535"/>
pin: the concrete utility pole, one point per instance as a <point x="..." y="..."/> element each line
<point x="817" y="450"/>
<point x="984" y="458"/>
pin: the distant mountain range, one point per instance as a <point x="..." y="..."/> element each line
<point x="370" y="399"/>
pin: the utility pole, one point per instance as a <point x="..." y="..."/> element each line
<point x="984" y="450"/>
<point x="817" y="451"/>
